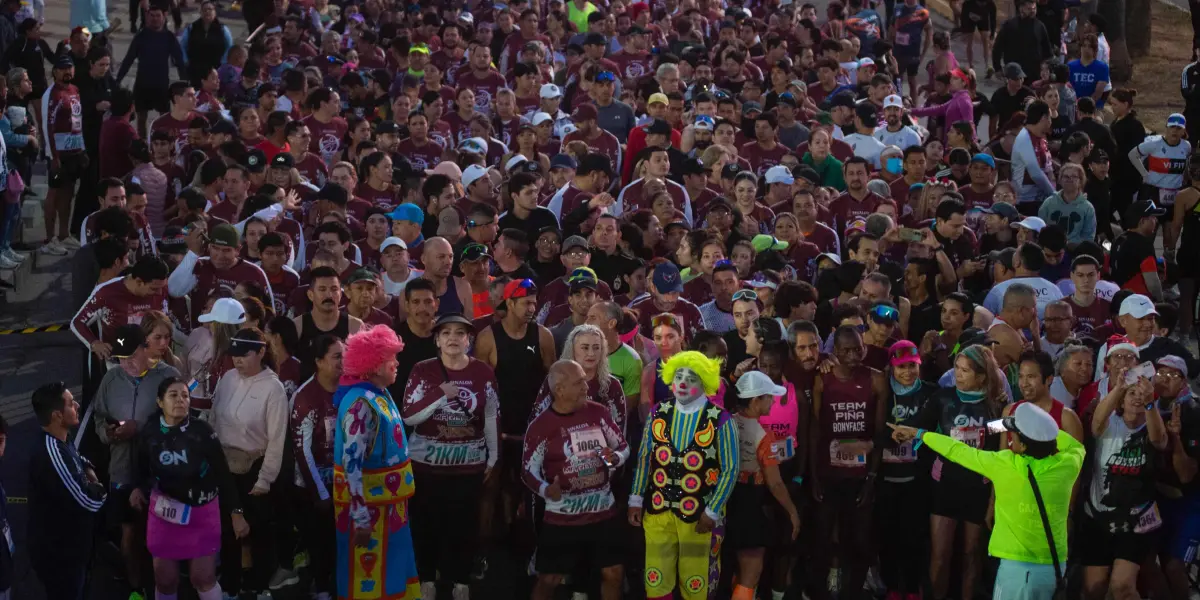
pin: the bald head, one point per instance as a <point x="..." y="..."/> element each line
<point x="438" y="256"/>
<point x="568" y="385"/>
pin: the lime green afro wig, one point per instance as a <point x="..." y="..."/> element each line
<point x="708" y="369"/>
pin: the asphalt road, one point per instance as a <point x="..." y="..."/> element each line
<point x="43" y="298"/>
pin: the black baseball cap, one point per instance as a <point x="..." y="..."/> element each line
<point x="127" y="340"/>
<point x="256" y="160"/>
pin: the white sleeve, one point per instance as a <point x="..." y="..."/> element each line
<point x="183" y="278"/>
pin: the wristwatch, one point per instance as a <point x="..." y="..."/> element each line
<point x="238" y="511"/>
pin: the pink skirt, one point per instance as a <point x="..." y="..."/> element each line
<point x="171" y="541"/>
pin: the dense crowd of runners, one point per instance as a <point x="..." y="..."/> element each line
<point x="680" y="298"/>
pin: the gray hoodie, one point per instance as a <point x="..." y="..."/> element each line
<point x="121" y="398"/>
<point x="1077" y="217"/>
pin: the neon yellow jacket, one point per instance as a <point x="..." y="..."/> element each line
<point x="1018" y="534"/>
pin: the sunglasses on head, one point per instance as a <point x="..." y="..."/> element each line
<point x="906" y="352"/>
<point x="724" y="262"/>
<point x="667" y="319"/>
<point x="605" y="76"/>
<point x="750" y="295"/>
<point x="886" y="313"/>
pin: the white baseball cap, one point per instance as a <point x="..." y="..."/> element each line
<point x="550" y="90"/>
<point x="1137" y="306"/>
<point x="893" y="100"/>
<point x="225" y="310"/>
<point x="541" y="117"/>
<point x="472" y="174"/>
<point x="756" y="383"/>
<point x="1030" y="223"/>
<point x="1032" y="422"/>
<point x="392" y="241"/>
<point x="512" y="162"/>
<point x="477" y="145"/>
<point x="780" y="174"/>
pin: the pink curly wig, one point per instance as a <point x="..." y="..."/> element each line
<point x="366" y="350"/>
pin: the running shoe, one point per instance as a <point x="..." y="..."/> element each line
<point x="428" y="590"/>
<point x="8" y="264"/>
<point x="461" y="592"/>
<point x="53" y="248"/>
<point x="283" y="578"/>
<point x="70" y="242"/>
<point x="13" y="255"/>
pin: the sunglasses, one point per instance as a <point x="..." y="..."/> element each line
<point x="750" y="295"/>
<point x="605" y="76"/>
<point x="906" y="352"/>
<point x="474" y="252"/>
<point x="724" y="262"/>
<point x="667" y="319"/>
<point x="886" y="313"/>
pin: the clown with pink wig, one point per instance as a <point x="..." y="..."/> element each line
<point x="372" y="480"/>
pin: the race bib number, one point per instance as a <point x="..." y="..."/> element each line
<point x="455" y="455"/>
<point x="902" y="453"/>
<point x="971" y="436"/>
<point x="587" y="442"/>
<point x="841" y="458"/>
<point x="172" y="511"/>
<point x="784" y="449"/>
<point x="330" y="423"/>
<point x="902" y="39"/>
<point x="1166" y="197"/>
<point x="1150" y="520"/>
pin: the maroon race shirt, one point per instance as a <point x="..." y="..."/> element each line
<point x="283" y="284"/>
<point x="762" y="159"/>
<point x="604" y="143"/>
<point x="976" y="199"/>
<point x="176" y="128"/>
<point x="565" y="447"/>
<point x="608" y="394"/>
<point x="313" y="423"/>
<point x="1089" y="318"/>
<point x="485" y="87"/>
<point x="313" y="168"/>
<point x="687" y="313"/>
<point x="327" y="138"/>
<point x="846" y="209"/>
<point x="631" y="199"/>
<point x="527" y="105"/>
<point x="64" y="118"/>
<point x="385" y="199"/>
<point x="632" y="67"/>
<point x="556" y="292"/>
<point x="207" y="280"/>
<point x="448" y="434"/>
<point x="422" y="156"/>
<point x="460" y="126"/>
<point x="110" y="306"/>
<point x="823" y="237"/>
<point x="226" y="211"/>
<point x="441" y="134"/>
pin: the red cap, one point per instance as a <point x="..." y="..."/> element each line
<point x="519" y="288"/>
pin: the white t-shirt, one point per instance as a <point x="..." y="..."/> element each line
<point x="1104" y="289"/>
<point x="867" y="147"/>
<point x="1045" y="291"/>
<point x="907" y="136"/>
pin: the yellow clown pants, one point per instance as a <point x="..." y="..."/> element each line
<point x="676" y="553"/>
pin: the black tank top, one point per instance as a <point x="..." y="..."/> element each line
<point x="448" y="302"/>
<point x="519" y="375"/>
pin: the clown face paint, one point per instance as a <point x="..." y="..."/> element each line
<point x="687" y="385"/>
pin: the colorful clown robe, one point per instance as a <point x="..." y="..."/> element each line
<point x="687" y="466"/>
<point x="372" y="482"/>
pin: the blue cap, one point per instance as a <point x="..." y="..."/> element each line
<point x="666" y="278"/>
<point x="1176" y="120"/>
<point x="985" y="159"/>
<point x="563" y="161"/>
<point x="408" y="212"/>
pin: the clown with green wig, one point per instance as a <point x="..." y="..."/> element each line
<point x="685" y="472"/>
